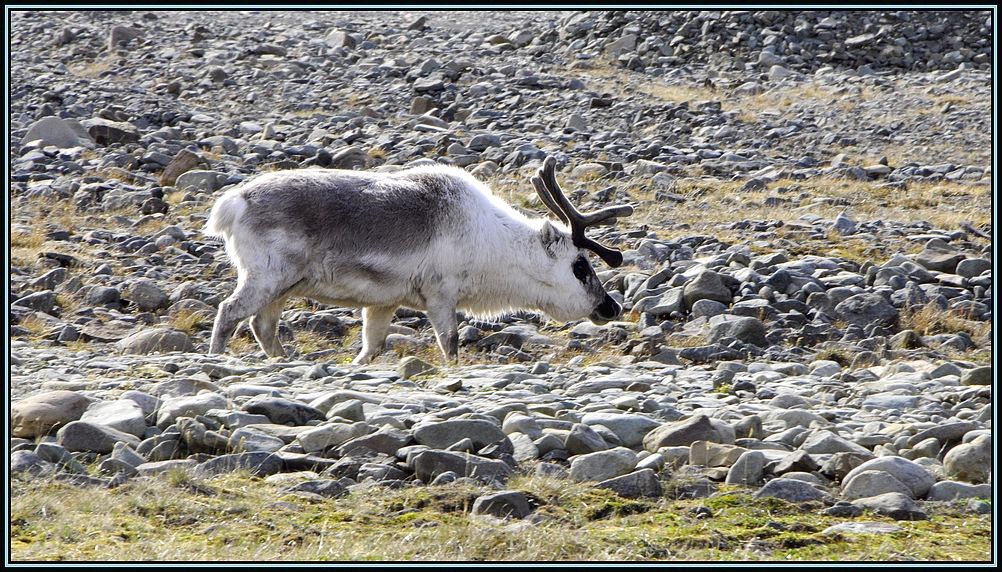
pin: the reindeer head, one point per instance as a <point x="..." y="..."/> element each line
<point x="571" y="260"/>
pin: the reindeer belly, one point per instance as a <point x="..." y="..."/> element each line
<point x="357" y="283"/>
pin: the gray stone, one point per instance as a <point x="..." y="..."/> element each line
<point x="251" y="439"/>
<point x="977" y="376"/>
<point x="106" y="132"/>
<point x="939" y="258"/>
<point x="748" y="330"/>
<point x="198" y="180"/>
<point x="582" y="440"/>
<point x="58" y="132"/>
<point x="972" y="267"/>
<point x="911" y="474"/>
<point x="156" y="340"/>
<point x="502" y="504"/>
<point x="126" y="454"/>
<point x="872" y="483"/>
<point x="826" y="442"/>
<point x="953" y="490"/>
<point x="747" y="470"/>
<point x="444" y="433"/>
<point x="603" y="465"/>
<point x="326" y="488"/>
<point x="43" y="301"/>
<point x="706" y="285"/>
<point x="28" y="462"/>
<point x="258" y="463"/>
<point x="146" y="295"/>
<point x="629" y="428"/>
<point x="688" y="431"/>
<point x="429" y="464"/>
<point x="283" y="411"/>
<point x="944" y="433"/>
<point x="642" y="483"/>
<point x="182" y="162"/>
<point x="187" y="406"/>
<point x="330" y="435"/>
<point x="86" y="436"/>
<point x="39" y="414"/>
<point x="970" y="462"/>
<point x="791" y="490"/>
<point x="895" y="505"/>
<point x="154" y="468"/>
<point x="865" y="309"/>
<point x="387" y="440"/>
<point x="411" y="366"/>
<point x="123" y="415"/>
<point x="862" y="528"/>
<point x="521" y="423"/>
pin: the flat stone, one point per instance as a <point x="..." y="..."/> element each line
<point x="444" y="433"/>
<point x="862" y="528"/>
<point x="123" y="415"/>
<point x="86" y="436"/>
<point x="895" y="505"/>
<point x="429" y="464"/>
<point x="258" y="463"/>
<point x="791" y="490"/>
<point x="872" y="483"/>
<point x="603" y="465"/>
<point x="39" y="414"/>
<point x="911" y="474"/>
<point x="502" y="504"/>
<point x="156" y="340"/>
<point x="642" y="483"/>
<point x="188" y="406"/>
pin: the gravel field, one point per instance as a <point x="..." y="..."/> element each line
<point x="807" y="287"/>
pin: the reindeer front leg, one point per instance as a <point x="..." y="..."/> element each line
<point x="443" y="320"/>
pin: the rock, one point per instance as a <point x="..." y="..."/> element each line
<point x="58" y="132"/>
<point x="872" y="483"/>
<point x="330" y="435"/>
<point x="182" y="162"/>
<point x="122" y="415"/>
<point x="86" y="436"/>
<point x="977" y="376"/>
<point x="258" y="463"/>
<point x="387" y="440"/>
<point x="154" y="468"/>
<point x="39" y="414"/>
<point x="748" y="330"/>
<point x="582" y="440"/>
<point x="953" y="490"/>
<point x="747" y="469"/>
<point x="943" y="433"/>
<point x="122" y="35"/>
<point x="707" y="454"/>
<point x="188" y="406"/>
<point x="106" y="132"/>
<point x="326" y="488"/>
<point x="706" y="285"/>
<point x="825" y="442"/>
<point x="251" y="439"/>
<point x="146" y="295"/>
<point x="629" y="428"/>
<point x="283" y="411"/>
<point x="603" y="465"/>
<point x="198" y="180"/>
<point x="907" y="472"/>
<point x="502" y="504"/>
<point x="791" y="490"/>
<point x="411" y="366"/>
<point x="642" y="483"/>
<point x="841" y="464"/>
<point x="686" y="432"/>
<point x="429" y="464"/>
<point x="27" y="462"/>
<point x="895" y="505"/>
<point x="352" y="410"/>
<point x="862" y="528"/>
<point x="939" y="258"/>
<point x="865" y="309"/>
<point x="970" y="462"/>
<point x="444" y="433"/>
<point x="156" y="340"/>
<point x="972" y="267"/>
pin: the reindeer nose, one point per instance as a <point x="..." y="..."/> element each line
<point x="607" y="311"/>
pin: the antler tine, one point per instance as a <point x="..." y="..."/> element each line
<point x="548" y="175"/>
<point x="546" y="184"/>
<point x="544" y="195"/>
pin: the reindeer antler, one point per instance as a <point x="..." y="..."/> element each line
<point x="545" y="182"/>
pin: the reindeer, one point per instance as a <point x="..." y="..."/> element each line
<point x="429" y="238"/>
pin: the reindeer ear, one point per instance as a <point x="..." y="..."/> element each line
<point x="550" y="237"/>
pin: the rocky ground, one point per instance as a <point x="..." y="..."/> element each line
<point x="808" y="279"/>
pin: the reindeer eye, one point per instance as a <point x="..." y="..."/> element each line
<point x="581" y="269"/>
